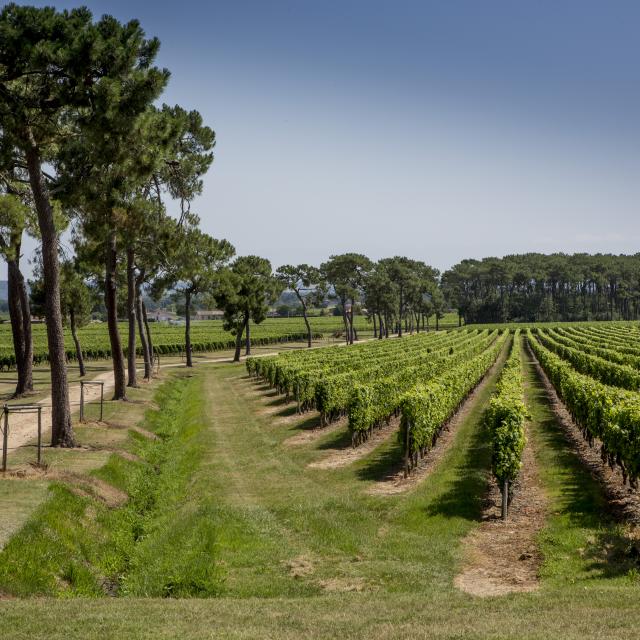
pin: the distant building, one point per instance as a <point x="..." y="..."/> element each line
<point x="209" y="314"/>
<point x="160" y="315"/>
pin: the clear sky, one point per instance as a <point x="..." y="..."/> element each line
<point x="434" y="129"/>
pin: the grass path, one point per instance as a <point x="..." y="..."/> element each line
<point x="580" y="543"/>
<point x="290" y="528"/>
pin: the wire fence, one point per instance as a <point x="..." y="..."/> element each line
<point x="7" y="410"/>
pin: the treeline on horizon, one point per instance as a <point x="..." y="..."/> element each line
<point x="534" y="287"/>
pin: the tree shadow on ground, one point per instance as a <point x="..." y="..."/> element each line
<point x="340" y="440"/>
<point x="311" y="423"/>
<point x="384" y="463"/>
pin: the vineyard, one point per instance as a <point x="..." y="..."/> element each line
<point x="602" y="392"/>
<point x="206" y="335"/>
<point x="425" y="469"/>
<point x="424" y="379"/>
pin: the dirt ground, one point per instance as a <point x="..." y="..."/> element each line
<point x="347" y="455"/>
<point x="502" y="555"/>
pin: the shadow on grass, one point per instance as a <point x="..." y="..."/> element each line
<point x="308" y="424"/>
<point x="464" y="498"/>
<point x="340" y="440"/>
<point x="276" y="400"/>
<point x="384" y="463"/>
<point x="289" y="410"/>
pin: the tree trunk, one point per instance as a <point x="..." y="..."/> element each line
<point x="375" y="327"/>
<point x="17" y="325"/>
<point x="350" y="317"/>
<point x="25" y="307"/>
<point x="141" y="332"/>
<point x="400" y="316"/>
<point x="240" y="332"/>
<point x="247" y="343"/>
<point x="61" y="428"/>
<point x="131" y="318"/>
<point x="148" y="331"/>
<point x="20" y="316"/>
<point x="76" y="342"/>
<point x="187" y="327"/>
<point x="111" y="303"/>
<point x="345" y="321"/>
<point x="306" y="320"/>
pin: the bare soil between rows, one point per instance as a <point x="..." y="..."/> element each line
<point x="307" y="436"/>
<point x="502" y="556"/>
<point x="347" y="455"/>
<point x="79" y="484"/>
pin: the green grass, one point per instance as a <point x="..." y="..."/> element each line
<point x="18" y="500"/>
<point x="232" y="512"/>
<point x="75" y="544"/>
<point x="581" y="543"/>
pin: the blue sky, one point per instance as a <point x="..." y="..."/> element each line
<point x="438" y="130"/>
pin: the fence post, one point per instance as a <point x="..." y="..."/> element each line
<point x="505" y="498"/>
<point x="81" y="401"/>
<point x="406" y="450"/>
<point x="5" y="438"/>
<point x="101" y="399"/>
<point x="39" y="434"/>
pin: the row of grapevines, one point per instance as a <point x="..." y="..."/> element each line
<point x="333" y="394"/>
<point x="603" y="370"/>
<point x="167" y="339"/>
<point x="607" y="413"/>
<point x="592" y="347"/>
<point x="281" y="370"/>
<point x="301" y="373"/>
<point x="505" y="419"/>
<point x="298" y="376"/>
<point x="374" y="402"/>
<point x="606" y="340"/>
<point x="89" y="352"/>
<point x="208" y="335"/>
<point x="426" y="408"/>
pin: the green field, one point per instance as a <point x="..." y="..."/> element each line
<point x="217" y="518"/>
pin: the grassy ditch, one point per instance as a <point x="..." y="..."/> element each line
<point x="126" y="528"/>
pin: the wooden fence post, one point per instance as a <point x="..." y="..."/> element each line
<point x="5" y="438"/>
<point x="505" y="499"/>
<point x="39" y="435"/>
<point x="406" y="450"/>
<point x="81" y="400"/>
